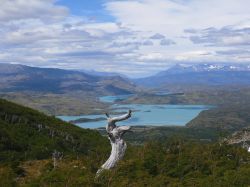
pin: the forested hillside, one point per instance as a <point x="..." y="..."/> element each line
<point x="26" y="134"/>
<point x="28" y="139"/>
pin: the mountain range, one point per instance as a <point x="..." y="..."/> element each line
<point x="200" y="74"/>
<point x="181" y="68"/>
<point x="14" y="77"/>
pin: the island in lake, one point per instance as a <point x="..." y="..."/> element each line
<point x="85" y="120"/>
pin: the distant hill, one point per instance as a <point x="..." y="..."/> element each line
<point x="200" y="74"/>
<point x="230" y="117"/>
<point x="101" y="73"/>
<point x="29" y="134"/>
<point x="231" y="112"/>
<point x="24" y="78"/>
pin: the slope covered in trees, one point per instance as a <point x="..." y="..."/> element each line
<point x="26" y="134"/>
<point x="174" y="162"/>
<point x="28" y="139"/>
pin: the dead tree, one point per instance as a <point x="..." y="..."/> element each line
<point x="115" y="134"/>
<point x="56" y="155"/>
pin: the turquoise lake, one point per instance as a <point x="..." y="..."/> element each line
<point x="158" y="115"/>
<point x="111" y="99"/>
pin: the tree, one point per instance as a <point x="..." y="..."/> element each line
<point x="115" y="134"/>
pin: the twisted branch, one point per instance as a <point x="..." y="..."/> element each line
<point x="118" y="145"/>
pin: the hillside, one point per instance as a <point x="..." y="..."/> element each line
<point x="59" y="92"/>
<point x="27" y="134"/>
<point x="75" y="103"/>
<point x="232" y="117"/>
<point x="28" y="138"/>
<point x="167" y="163"/>
<point x="232" y="111"/>
<point x="15" y="78"/>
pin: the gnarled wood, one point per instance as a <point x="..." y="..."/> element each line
<point x="118" y="145"/>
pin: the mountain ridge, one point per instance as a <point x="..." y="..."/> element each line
<point x="199" y="74"/>
<point x="208" y="67"/>
<point x="25" y="78"/>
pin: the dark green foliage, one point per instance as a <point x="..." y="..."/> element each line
<point x="28" y="134"/>
<point x="180" y="163"/>
<point x="141" y="134"/>
<point x="168" y="163"/>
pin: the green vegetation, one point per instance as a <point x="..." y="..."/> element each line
<point x="141" y="134"/>
<point x="231" y="117"/>
<point x="36" y="135"/>
<point x="156" y="156"/>
<point x="182" y="163"/>
<point x="175" y="162"/>
<point x="26" y="134"/>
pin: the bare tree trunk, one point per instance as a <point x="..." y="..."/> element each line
<point x="118" y="145"/>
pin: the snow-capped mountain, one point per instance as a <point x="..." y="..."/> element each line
<point x="207" y="67"/>
<point x="200" y="74"/>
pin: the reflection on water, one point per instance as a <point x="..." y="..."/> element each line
<point x="145" y="114"/>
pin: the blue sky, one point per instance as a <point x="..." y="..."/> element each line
<point x="93" y="9"/>
<point x="133" y="37"/>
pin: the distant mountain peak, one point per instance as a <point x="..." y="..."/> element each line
<point x="181" y="68"/>
<point x="200" y="74"/>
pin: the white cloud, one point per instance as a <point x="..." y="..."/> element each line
<point x="167" y="16"/>
<point x="147" y="36"/>
<point x="152" y="57"/>
<point x="12" y="10"/>
<point x="172" y="19"/>
<point x="237" y="40"/>
<point x="195" y="55"/>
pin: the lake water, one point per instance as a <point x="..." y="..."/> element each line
<point x="111" y="99"/>
<point x="157" y="115"/>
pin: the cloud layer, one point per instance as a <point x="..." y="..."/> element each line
<point x="146" y="36"/>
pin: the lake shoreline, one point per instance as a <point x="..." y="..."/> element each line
<point x="142" y="114"/>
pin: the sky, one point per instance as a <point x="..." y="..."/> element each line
<point x="133" y="37"/>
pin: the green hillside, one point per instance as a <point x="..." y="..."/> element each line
<point x="232" y="117"/>
<point x="28" y="138"/>
<point x="28" y="134"/>
<point x="170" y="163"/>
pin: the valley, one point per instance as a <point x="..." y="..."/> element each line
<point x="109" y="93"/>
<point x="125" y="93"/>
<point x="181" y="134"/>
